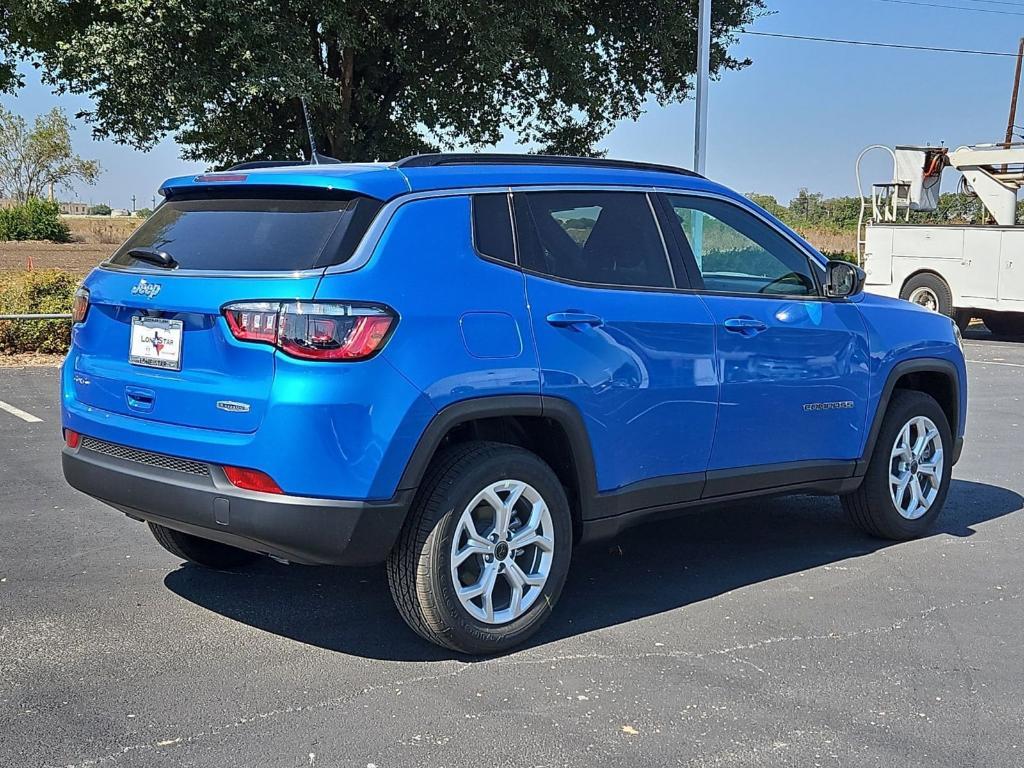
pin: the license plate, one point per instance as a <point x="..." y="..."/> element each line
<point x="156" y="343"/>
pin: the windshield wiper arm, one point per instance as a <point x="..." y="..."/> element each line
<point x="153" y="256"/>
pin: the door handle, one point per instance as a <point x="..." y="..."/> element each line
<point x="569" y="319"/>
<point x="747" y="326"/>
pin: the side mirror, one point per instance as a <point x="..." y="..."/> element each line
<point x="843" y="279"/>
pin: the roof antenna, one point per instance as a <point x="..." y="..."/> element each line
<point x="314" y="156"/>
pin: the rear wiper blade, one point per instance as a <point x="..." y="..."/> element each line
<point x="153" y="256"/>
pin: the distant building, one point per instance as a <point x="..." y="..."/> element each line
<point x="6" y="202"/>
<point x="74" y="209"/>
<point x="120" y="212"/>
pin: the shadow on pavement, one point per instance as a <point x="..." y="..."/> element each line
<point x="648" y="570"/>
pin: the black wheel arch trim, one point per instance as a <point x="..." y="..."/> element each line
<point x="901" y="369"/>
<point x="564" y="413"/>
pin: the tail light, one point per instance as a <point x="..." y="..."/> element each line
<point x="251" y="480"/>
<point x="71" y="438"/>
<point x="312" y="330"/>
<point x="80" y="307"/>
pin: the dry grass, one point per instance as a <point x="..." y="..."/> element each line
<point x="30" y="360"/>
<point x="832" y="242"/>
<point x="101" y="230"/>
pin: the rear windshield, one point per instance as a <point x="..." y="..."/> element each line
<point x="252" y="234"/>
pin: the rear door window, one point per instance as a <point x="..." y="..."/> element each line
<point x="599" y="237"/>
<point x="252" y="234"/>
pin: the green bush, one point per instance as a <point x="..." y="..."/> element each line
<point x="34" y="220"/>
<point x="49" y="291"/>
<point x="100" y="210"/>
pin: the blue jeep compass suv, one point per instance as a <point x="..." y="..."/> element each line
<point x="465" y="365"/>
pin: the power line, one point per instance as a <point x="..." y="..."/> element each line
<point x="954" y="7"/>
<point x="998" y="2"/>
<point x="873" y="44"/>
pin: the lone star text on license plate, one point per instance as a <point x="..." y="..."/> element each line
<point x="156" y="343"/>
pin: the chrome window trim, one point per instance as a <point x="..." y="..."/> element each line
<point x="374" y="233"/>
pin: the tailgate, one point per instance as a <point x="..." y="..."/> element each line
<point x="222" y="383"/>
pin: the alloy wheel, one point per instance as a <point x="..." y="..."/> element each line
<point x="502" y="551"/>
<point x="915" y="467"/>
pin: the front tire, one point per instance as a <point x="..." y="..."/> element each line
<point x="909" y="472"/>
<point x="483" y="557"/>
<point x="204" y="552"/>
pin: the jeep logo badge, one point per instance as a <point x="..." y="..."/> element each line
<point x="147" y="289"/>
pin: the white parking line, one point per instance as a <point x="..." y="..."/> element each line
<point x="19" y="413"/>
<point x="994" y="362"/>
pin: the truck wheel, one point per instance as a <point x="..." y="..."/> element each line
<point x="930" y="291"/>
<point x="209" y="554"/>
<point x="908" y="475"/>
<point x="484" y="554"/>
<point x="1009" y="324"/>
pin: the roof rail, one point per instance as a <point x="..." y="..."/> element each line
<point x="436" y="159"/>
<point x="253" y="164"/>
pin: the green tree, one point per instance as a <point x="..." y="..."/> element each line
<point x="35" y="158"/>
<point x="382" y="79"/>
<point x="99" y="210"/>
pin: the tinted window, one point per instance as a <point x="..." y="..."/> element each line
<point x="253" y="234"/>
<point x="609" y="238"/>
<point x="492" y="227"/>
<point x="737" y="253"/>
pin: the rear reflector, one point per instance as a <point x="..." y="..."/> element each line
<point x="312" y="330"/>
<point x="251" y="480"/>
<point x="71" y="438"/>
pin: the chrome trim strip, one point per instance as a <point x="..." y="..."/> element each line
<point x="375" y="231"/>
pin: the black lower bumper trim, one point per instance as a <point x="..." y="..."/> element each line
<point x="297" y="528"/>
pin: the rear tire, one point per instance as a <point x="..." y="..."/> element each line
<point x="1009" y="324"/>
<point x="931" y="292"/>
<point x="464" y="573"/>
<point x="209" y="554"/>
<point x="874" y="507"/>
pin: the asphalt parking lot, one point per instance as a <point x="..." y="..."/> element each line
<point x="769" y="633"/>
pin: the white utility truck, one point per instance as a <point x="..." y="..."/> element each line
<point x="963" y="271"/>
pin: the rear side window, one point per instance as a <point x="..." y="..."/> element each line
<point x="492" y="227"/>
<point x="607" y="238"/>
<point x="252" y="234"/>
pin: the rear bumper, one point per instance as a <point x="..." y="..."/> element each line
<point x="299" y="529"/>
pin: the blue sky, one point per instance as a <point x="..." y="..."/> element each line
<point x="797" y="117"/>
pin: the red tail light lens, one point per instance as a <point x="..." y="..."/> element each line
<point x="312" y="330"/>
<point x="71" y="438"/>
<point x="80" y="307"/>
<point x="251" y="480"/>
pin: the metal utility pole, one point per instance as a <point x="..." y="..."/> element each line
<point x="700" y="135"/>
<point x="1013" y="98"/>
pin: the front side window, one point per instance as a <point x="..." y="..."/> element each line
<point x="606" y="238"/>
<point x="737" y="253"/>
